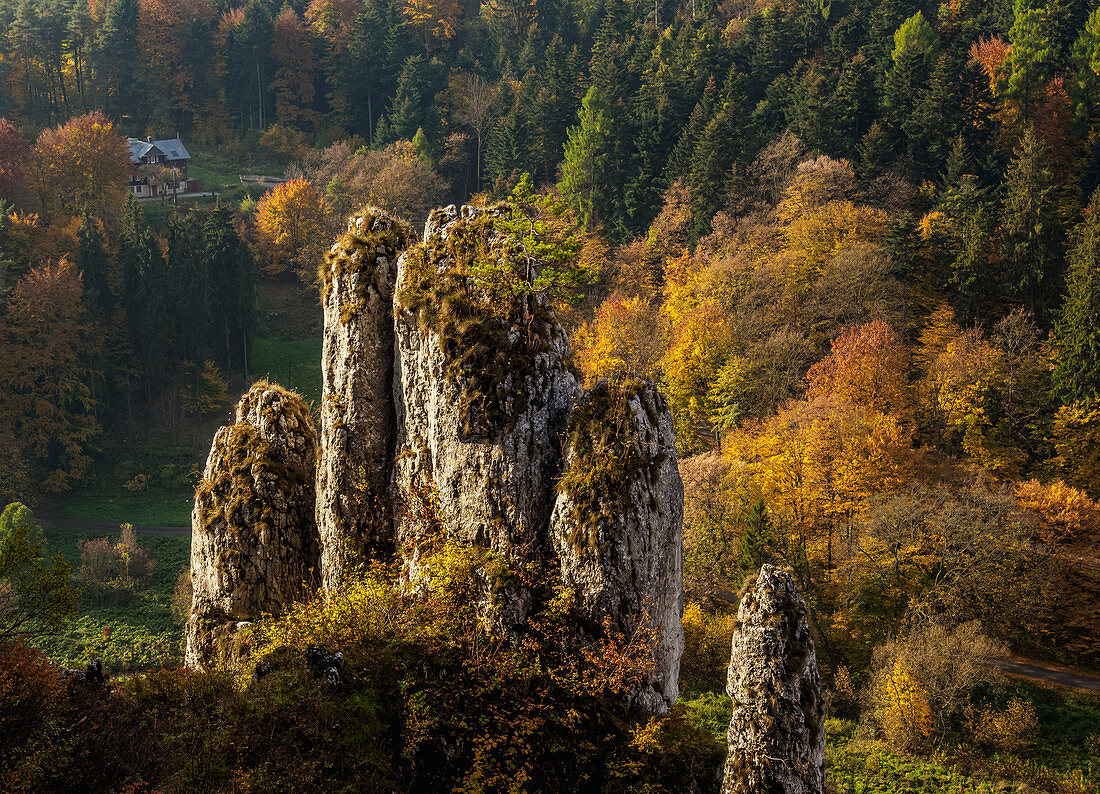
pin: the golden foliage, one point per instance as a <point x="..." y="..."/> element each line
<point x="625" y="336"/>
<point x="905" y="714"/>
<point x="1013" y="729"/>
<point x="1076" y="437"/>
<point x="290" y="220"/>
<point x="437" y="19"/>
<point x="868" y="366"/>
<point x="1065" y="513"/>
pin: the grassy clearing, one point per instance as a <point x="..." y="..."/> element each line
<point x="293" y="363"/>
<point x="143" y="633"/>
<point x="155" y="508"/>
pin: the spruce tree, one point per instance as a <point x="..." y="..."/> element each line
<point x="1030" y="224"/>
<point x="587" y="157"/>
<point x="93" y="263"/>
<point x="231" y="274"/>
<point x="143" y="291"/>
<point x="1077" y="332"/>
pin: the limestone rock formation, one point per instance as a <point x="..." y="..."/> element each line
<point x="617" y="522"/>
<point x="776" y="736"/>
<point x="254" y="543"/>
<point x="358" y="427"/>
<point x="483" y="389"/>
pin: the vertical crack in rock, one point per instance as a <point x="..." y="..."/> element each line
<point x="484" y="389"/>
<point x="254" y="543"/>
<point x="776" y="736"/>
<point x="617" y="524"/>
<point x="358" y="426"/>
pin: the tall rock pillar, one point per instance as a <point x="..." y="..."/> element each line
<point x="484" y="389"/>
<point x="358" y="427"/>
<point x="254" y="544"/>
<point x="776" y="736"/>
<point x="617" y="525"/>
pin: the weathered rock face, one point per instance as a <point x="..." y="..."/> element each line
<point x="776" y="737"/>
<point x="484" y="391"/>
<point x="617" y="522"/>
<point x="358" y="427"/>
<point x="254" y="543"/>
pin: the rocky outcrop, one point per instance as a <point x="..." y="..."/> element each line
<point x="358" y="426"/>
<point x="448" y="398"/>
<point x="484" y="390"/>
<point x="776" y="737"/>
<point x="617" y="522"/>
<point x="254" y="543"/>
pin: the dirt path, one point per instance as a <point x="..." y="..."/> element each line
<point x="1038" y="672"/>
<point x="51" y="518"/>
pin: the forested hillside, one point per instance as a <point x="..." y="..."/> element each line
<point x="855" y="244"/>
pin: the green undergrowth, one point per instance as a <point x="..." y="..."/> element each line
<point x="1065" y="758"/>
<point x="143" y="632"/>
<point x="430" y="702"/>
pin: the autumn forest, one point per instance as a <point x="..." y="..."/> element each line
<point x="855" y="243"/>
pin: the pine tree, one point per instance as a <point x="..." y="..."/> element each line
<point x="1029" y="223"/>
<point x="719" y="146"/>
<point x="93" y="263"/>
<point x="1077" y="332"/>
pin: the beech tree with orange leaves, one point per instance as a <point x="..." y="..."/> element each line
<point x="82" y="164"/>
<point x="291" y="223"/>
<point x="868" y="366"/>
<point x="46" y="394"/>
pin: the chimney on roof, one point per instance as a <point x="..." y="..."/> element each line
<point x="148" y="138"/>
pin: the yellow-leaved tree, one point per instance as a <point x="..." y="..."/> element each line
<point x="290" y="220"/>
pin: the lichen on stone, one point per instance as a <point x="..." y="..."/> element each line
<point x="776" y="734"/>
<point x="254" y="544"/>
<point x="604" y="457"/>
<point x="371" y="233"/>
<point x="617" y="524"/>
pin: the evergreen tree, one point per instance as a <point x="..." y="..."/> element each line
<point x="143" y="291"/>
<point x="117" y="55"/>
<point x="587" y="158"/>
<point x="1077" y="332"/>
<point x="231" y="275"/>
<point x="1030" y="60"/>
<point x="756" y="540"/>
<point x="1030" y="224"/>
<point x="93" y="263"/>
<point x="712" y="162"/>
<point x="188" y="301"/>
